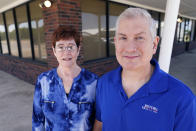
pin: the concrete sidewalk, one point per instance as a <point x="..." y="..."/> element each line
<point x="183" y="67"/>
<point x="16" y="96"/>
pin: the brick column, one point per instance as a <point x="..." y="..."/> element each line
<point x="62" y="12"/>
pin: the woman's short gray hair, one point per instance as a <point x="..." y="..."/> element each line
<point x="135" y="12"/>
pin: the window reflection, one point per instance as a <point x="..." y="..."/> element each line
<point x="178" y="31"/>
<point x="182" y="31"/>
<point x="192" y="30"/>
<point x="162" y="24"/>
<point x="23" y="30"/>
<point x="93" y="29"/>
<point x="115" y="10"/>
<point x="155" y="16"/>
<point x="3" y="36"/>
<point x="11" y="33"/>
<point x="38" y="30"/>
<point x="187" y="32"/>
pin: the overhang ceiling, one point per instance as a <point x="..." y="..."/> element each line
<point x="187" y="7"/>
<point x="8" y="4"/>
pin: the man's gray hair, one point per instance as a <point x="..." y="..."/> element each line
<point x="136" y="12"/>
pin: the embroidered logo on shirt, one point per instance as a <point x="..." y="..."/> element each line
<point x="150" y="108"/>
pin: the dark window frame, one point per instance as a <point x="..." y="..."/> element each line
<point x="179" y="31"/>
<point x="191" y="28"/>
<point x="108" y="27"/>
<point x="17" y="33"/>
<point x="1" y="51"/>
<point x="194" y="38"/>
<point x="159" y="24"/>
<point x="6" y="32"/>
<point x="107" y="8"/>
<point x="30" y="31"/>
<point x="184" y="30"/>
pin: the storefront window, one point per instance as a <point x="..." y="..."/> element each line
<point x="11" y="33"/>
<point x="162" y="24"/>
<point x="114" y="12"/>
<point x="155" y="16"/>
<point x="4" y="46"/>
<point x="182" y="31"/>
<point x="93" y="29"/>
<point x="187" y="32"/>
<point x="192" y="30"/>
<point x="38" y="30"/>
<point x="23" y="30"/>
<point x="178" y="31"/>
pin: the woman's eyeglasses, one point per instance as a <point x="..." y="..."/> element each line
<point x="69" y="48"/>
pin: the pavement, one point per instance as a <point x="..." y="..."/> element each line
<point x="183" y="67"/>
<point x="16" y="96"/>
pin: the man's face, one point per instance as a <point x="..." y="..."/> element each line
<point x="134" y="44"/>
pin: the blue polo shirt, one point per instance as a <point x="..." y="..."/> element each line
<point x="162" y="104"/>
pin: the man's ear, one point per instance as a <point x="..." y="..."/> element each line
<point x="115" y="40"/>
<point x="155" y="44"/>
<point x="78" y="50"/>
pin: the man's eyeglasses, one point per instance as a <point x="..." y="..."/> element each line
<point x="69" y="48"/>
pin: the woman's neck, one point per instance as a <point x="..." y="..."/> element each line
<point x="70" y="72"/>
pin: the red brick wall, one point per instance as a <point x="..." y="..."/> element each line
<point x="62" y="12"/>
<point x="27" y="70"/>
<point x="101" y="66"/>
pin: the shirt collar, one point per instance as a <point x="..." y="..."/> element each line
<point x="158" y="82"/>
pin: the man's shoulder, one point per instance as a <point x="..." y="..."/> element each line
<point x="109" y="79"/>
<point x="111" y="74"/>
<point x="175" y="88"/>
<point x="178" y="88"/>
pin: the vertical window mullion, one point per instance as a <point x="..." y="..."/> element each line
<point x="30" y="31"/>
<point x="107" y="29"/>
<point x="159" y="24"/>
<point x="179" y="32"/>
<point x="176" y="33"/>
<point x="17" y="33"/>
<point x="194" y="38"/>
<point x="184" y="30"/>
<point x="6" y="32"/>
<point x="190" y="29"/>
<point x="1" y="51"/>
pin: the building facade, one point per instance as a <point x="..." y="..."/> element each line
<point x="26" y="30"/>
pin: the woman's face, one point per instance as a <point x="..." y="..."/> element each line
<point x="66" y="52"/>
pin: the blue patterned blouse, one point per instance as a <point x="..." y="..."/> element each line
<point x="53" y="110"/>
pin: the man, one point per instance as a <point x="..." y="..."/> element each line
<point x="139" y="96"/>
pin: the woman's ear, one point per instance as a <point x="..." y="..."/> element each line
<point x="54" y="52"/>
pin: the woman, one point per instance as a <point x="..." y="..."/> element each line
<point x="64" y="96"/>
